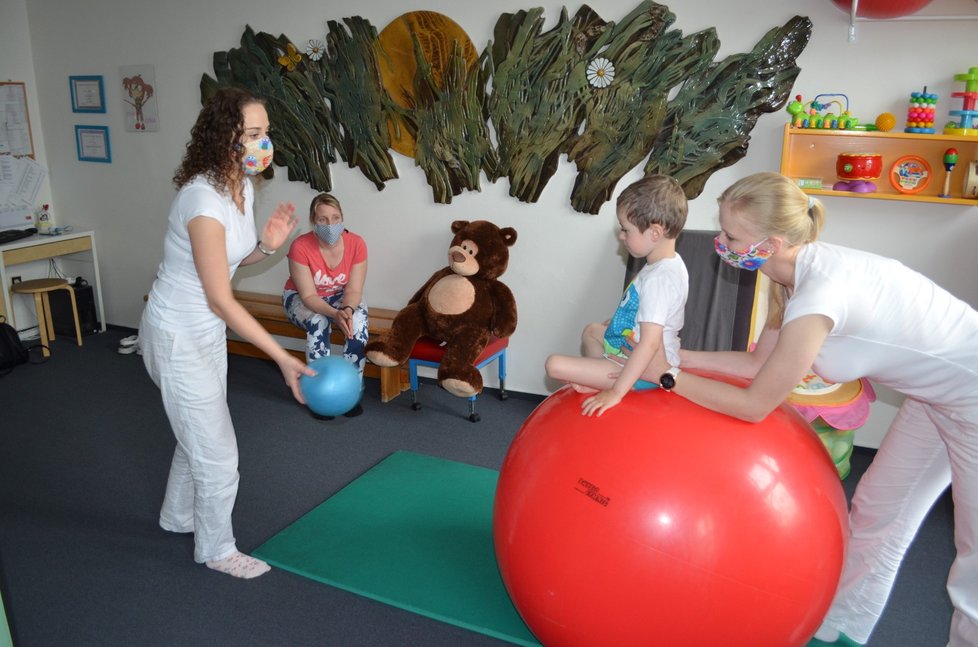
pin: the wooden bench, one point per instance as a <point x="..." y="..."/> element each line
<point x="268" y="310"/>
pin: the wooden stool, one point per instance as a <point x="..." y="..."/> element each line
<point x="428" y="352"/>
<point x="45" y="325"/>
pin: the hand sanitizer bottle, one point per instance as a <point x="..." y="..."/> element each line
<point x="42" y="219"/>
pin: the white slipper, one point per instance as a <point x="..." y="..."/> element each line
<point x="131" y="340"/>
<point x="128" y="350"/>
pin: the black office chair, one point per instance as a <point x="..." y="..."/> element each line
<point x="721" y="298"/>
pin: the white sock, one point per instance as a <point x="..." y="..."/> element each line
<point x="827" y="634"/>
<point x="240" y="565"/>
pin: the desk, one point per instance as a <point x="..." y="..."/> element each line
<point x="74" y="247"/>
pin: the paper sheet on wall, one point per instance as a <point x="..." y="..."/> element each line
<point x="20" y="217"/>
<point x="20" y="181"/>
<point x="15" y="133"/>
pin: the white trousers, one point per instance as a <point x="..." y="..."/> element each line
<point x="922" y="453"/>
<point x="191" y="371"/>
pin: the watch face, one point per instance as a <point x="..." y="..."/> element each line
<point x="667" y="381"/>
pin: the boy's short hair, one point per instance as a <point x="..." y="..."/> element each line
<point x="655" y="200"/>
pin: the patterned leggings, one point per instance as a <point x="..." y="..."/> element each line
<point x="318" y="328"/>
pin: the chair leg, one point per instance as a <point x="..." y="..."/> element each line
<point x="42" y="327"/>
<point x="502" y="375"/>
<point x="473" y="416"/>
<point x="48" y="319"/>
<point x="415" y="384"/>
<point x="74" y="313"/>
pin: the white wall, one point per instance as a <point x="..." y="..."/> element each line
<point x="566" y="269"/>
<point x="16" y="64"/>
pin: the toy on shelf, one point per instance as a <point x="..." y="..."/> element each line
<point x="950" y="159"/>
<point x="970" y="188"/>
<point x="910" y="174"/>
<point x="885" y="122"/>
<point x="968" y="125"/>
<point x="920" y="113"/>
<point x="808" y="115"/>
<point x="857" y="171"/>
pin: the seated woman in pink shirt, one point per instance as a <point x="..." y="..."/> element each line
<point x="327" y="271"/>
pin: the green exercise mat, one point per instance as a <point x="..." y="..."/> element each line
<point x="414" y="532"/>
<point x="5" y="639"/>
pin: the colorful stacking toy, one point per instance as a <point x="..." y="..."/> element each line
<point x="920" y="113"/>
<point x="968" y="125"/>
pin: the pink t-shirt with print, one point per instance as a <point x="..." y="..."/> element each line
<point x="329" y="280"/>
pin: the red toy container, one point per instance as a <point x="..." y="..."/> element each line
<point x="859" y="166"/>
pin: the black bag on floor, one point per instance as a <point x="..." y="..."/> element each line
<point x="12" y="350"/>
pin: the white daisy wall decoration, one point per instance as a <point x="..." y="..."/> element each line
<point x="600" y="72"/>
<point x="315" y="50"/>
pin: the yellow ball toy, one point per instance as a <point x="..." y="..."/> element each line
<point x="886" y="121"/>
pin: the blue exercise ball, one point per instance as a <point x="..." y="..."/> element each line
<point x="335" y="389"/>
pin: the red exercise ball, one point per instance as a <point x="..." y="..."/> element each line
<point x="664" y="523"/>
<point x="883" y="8"/>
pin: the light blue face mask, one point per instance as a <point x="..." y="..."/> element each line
<point x="329" y="234"/>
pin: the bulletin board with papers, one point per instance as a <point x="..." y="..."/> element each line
<point x="20" y="175"/>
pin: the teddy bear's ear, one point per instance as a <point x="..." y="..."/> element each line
<point x="509" y="236"/>
<point x="459" y="225"/>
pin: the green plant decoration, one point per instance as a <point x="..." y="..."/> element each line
<point x="623" y="118"/>
<point x="449" y="125"/>
<point x="710" y="119"/>
<point x="304" y="128"/>
<point x="595" y="91"/>
<point x="308" y="131"/>
<point x="536" y="99"/>
<point x="358" y="100"/>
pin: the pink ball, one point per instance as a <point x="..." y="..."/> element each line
<point x="883" y="8"/>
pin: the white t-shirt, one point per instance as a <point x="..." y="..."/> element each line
<point x="889" y="324"/>
<point x="656" y="295"/>
<point x="177" y="301"/>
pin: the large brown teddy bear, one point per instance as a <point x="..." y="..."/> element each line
<point x="461" y="305"/>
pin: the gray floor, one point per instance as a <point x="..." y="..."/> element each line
<point x="85" y="448"/>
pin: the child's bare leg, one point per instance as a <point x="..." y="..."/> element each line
<point x="584" y="374"/>
<point x="585" y="390"/>
<point x="592" y="340"/>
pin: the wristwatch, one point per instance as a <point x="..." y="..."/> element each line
<point x="667" y="382"/>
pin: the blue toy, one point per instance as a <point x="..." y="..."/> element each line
<point x="335" y="389"/>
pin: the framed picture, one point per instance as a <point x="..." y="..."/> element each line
<point x="87" y="93"/>
<point x="92" y="143"/>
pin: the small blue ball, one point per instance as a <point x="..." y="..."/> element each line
<point x="335" y="389"/>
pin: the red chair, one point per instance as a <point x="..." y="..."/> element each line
<point x="428" y="352"/>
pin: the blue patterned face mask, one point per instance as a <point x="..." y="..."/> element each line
<point x="750" y="259"/>
<point x="329" y="234"/>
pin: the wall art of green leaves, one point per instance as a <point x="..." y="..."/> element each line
<point x="608" y="95"/>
